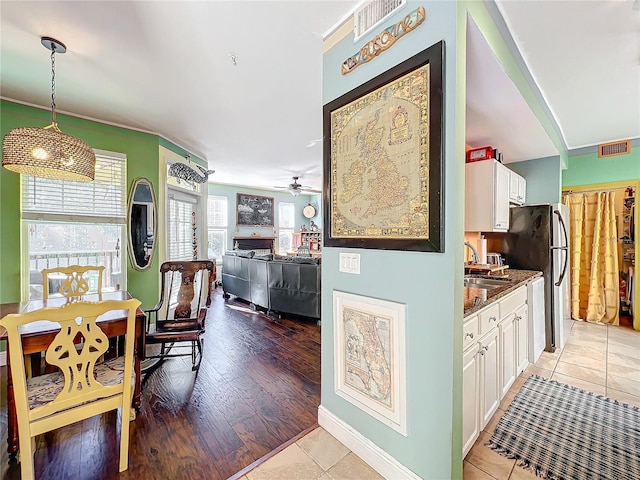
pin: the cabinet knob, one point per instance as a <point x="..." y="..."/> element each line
<point x="481" y="352"/>
<point x="492" y="319"/>
<point x="485" y="348"/>
<point x="469" y="335"/>
<point x="518" y="318"/>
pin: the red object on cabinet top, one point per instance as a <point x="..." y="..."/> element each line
<point x="477" y="154"/>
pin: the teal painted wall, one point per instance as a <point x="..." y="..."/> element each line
<point x="589" y="169"/>
<point x="141" y="150"/>
<point x="429" y="284"/>
<point x="230" y="192"/>
<point x="543" y="179"/>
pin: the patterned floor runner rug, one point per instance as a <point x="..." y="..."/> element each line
<point x="563" y="433"/>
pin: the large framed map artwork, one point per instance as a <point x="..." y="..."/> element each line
<point x="370" y="369"/>
<point x="383" y="169"/>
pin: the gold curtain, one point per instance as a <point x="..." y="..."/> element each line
<point x="594" y="257"/>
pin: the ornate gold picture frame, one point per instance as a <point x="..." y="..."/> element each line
<point x="383" y="159"/>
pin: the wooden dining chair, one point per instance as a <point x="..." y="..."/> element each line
<point x="74" y="280"/>
<point x="179" y="316"/>
<point x="82" y="386"/>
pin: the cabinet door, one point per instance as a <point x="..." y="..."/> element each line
<point x="513" y="186"/>
<point x="489" y="376"/>
<point x="522" y="335"/>
<point x="501" y="198"/>
<point x="507" y="353"/>
<point x="470" y="398"/>
<point x="522" y="189"/>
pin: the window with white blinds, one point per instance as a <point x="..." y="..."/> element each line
<point x="100" y="201"/>
<point x="216" y="226"/>
<point x="286" y="224"/>
<point x="180" y="222"/>
<point x="76" y="223"/>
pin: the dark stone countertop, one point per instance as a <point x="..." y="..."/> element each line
<point x="487" y="297"/>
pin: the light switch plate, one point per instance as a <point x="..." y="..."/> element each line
<point x="350" y="263"/>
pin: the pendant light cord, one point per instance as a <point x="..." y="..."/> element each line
<point x="53" y="86"/>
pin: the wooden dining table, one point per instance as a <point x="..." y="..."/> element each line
<point x="37" y="336"/>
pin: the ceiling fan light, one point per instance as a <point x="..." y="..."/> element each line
<point x="295" y="192"/>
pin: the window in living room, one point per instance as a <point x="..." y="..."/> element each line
<point x="76" y="223"/>
<point x="216" y="226"/>
<point x="183" y="209"/>
<point x="286" y="226"/>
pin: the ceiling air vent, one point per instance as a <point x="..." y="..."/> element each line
<point x="372" y="13"/>
<point x="614" y="148"/>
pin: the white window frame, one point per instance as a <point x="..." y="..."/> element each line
<point x="187" y="197"/>
<point x="285" y="229"/>
<point x="27" y="218"/>
<point x="223" y="227"/>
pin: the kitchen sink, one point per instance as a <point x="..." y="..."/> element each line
<point x="486" y="283"/>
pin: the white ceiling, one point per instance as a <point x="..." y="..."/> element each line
<point x="166" y="67"/>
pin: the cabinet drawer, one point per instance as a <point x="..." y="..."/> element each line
<point x="512" y="301"/>
<point x="470" y="331"/>
<point x="489" y="318"/>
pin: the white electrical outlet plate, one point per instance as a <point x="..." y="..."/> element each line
<point x="350" y="263"/>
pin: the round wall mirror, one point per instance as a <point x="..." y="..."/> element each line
<point x="142" y="223"/>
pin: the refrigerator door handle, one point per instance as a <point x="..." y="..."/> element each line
<point x="565" y="248"/>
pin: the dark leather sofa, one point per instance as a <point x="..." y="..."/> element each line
<point x="276" y="283"/>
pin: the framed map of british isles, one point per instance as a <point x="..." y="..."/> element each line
<point x="383" y="159"/>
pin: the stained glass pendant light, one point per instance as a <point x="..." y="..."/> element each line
<point x="48" y="152"/>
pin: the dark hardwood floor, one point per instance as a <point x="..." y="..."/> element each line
<point x="258" y="387"/>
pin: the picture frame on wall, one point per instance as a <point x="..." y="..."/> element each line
<point x="370" y="365"/>
<point x="254" y="210"/>
<point x="383" y="159"/>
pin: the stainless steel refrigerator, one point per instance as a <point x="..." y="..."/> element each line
<point x="538" y="239"/>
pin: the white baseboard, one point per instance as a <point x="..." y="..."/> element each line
<point x="3" y="358"/>
<point x="374" y="456"/>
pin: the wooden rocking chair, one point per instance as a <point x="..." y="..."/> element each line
<point x="179" y="315"/>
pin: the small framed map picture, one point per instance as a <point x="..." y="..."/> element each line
<point x="383" y="157"/>
<point x="370" y="367"/>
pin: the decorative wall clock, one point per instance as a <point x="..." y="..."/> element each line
<point x="309" y="211"/>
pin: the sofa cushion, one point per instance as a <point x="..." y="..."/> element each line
<point x="264" y="256"/>
<point x="241" y="253"/>
<point x="302" y="260"/>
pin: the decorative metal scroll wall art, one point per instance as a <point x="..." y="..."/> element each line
<point x="384" y="40"/>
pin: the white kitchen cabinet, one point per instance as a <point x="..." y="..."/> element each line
<point x="470" y="397"/>
<point x="486" y="196"/>
<point x="517" y="188"/>
<point x="522" y="336"/>
<point x="507" y="330"/>
<point x="489" y="376"/>
<point x="513" y="329"/>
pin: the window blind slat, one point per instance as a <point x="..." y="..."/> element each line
<point x="104" y="197"/>
<point x="180" y="246"/>
<point x="217" y="211"/>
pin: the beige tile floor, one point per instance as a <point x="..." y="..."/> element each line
<point x="598" y="358"/>
<point x="316" y="456"/>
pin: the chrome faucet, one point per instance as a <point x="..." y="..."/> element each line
<point x="475" y="257"/>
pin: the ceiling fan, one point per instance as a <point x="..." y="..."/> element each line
<point x="295" y="188"/>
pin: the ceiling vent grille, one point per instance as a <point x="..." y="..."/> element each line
<point x="614" y="148"/>
<point x="372" y="13"/>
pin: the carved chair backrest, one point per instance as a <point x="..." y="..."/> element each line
<point x="77" y="327"/>
<point x="185" y="288"/>
<point x="73" y="280"/>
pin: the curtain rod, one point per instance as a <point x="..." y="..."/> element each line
<point x="610" y="189"/>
